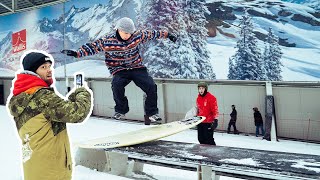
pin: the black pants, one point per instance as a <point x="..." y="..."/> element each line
<point x="205" y="134"/>
<point x="232" y="123"/>
<point x="142" y="79"/>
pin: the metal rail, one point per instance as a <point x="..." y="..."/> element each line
<point x="22" y="6"/>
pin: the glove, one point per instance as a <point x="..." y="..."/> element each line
<point x="214" y="124"/>
<point x="172" y="37"/>
<point x="69" y="52"/>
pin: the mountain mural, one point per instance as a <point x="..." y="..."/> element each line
<point x="296" y="25"/>
<point x="315" y="4"/>
<point x="224" y="19"/>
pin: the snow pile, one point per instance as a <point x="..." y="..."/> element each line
<point x="11" y="164"/>
<point x="312" y="166"/>
<point x="247" y="161"/>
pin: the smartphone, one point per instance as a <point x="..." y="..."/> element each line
<point x="79" y="80"/>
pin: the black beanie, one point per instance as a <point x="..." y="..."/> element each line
<point x="33" y="60"/>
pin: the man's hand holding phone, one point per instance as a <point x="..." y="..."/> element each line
<point x="79" y="80"/>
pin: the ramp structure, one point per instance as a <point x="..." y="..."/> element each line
<point x="209" y="161"/>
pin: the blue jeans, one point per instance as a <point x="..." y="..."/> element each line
<point x="257" y="130"/>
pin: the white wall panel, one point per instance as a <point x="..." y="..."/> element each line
<point x="297" y="108"/>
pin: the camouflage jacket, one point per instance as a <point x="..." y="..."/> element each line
<point x="41" y="116"/>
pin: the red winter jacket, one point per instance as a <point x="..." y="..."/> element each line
<point x="208" y="107"/>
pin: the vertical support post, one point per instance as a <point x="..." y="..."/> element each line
<point x="164" y="106"/>
<point x="199" y="172"/>
<point x="134" y="166"/>
<point x="64" y="47"/>
<point x="14" y="5"/>
<point x="214" y="176"/>
<point x="270" y="133"/>
<point x="138" y="167"/>
<point x="204" y="172"/>
<point x="117" y="163"/>
<point x="147" y="121"/>
<point x="130" y="168"/>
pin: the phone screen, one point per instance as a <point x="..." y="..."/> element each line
<point x="79" y="80"/>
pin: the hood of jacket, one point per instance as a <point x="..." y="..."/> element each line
<point x="28" y="83"/>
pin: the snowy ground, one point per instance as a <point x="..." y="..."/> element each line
<point x="10" y="161"/>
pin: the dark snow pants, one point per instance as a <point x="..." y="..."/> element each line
<point x="205" y="134"/>
<point x="232" y="123"/>
<point x="142" y="79"/>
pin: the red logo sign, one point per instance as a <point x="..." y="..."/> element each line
<point x="19" y="41"/>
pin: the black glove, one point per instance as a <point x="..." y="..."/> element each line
<point x="172" y="37"/>
<point x="69" y="52"/>
<point x="214" y="124"/>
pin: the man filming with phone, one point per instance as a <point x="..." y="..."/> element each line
<point x="41" y="114"/>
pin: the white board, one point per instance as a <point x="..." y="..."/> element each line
<point x="142" y="135"/>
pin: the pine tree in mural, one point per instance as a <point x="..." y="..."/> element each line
<point x="232" y="71"/>
<point x="160" y="14"/>
<point x="272" y="56"/>
<point x="183" y="54"/>
<point x="247" y="60"/>
<point x="181" y="59"/>
<point x="195" y="11"/>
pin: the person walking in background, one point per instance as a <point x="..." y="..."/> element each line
<point x="258" y="122"/>
<point x="40" y="115"/>
<point x="208" y="107"/>
<point x="233" y="120"/>
<point x="124" y="62"/>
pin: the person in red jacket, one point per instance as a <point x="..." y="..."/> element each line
<point x="207" y="107"/>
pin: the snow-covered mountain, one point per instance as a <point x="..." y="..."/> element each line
<point x="297" y="26"/>
<point x="82" y="25"/>
<point x="311" y="3"/>
<point x="8" y="60"/>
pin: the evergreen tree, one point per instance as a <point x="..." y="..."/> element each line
<point x="272" y="56"/>
<point x="248" y="63"/>
<point x="182" y="59"/>
<point x="232" y="71"/>
<point x="161" y="15"/>
<point x="198" y="33"/>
